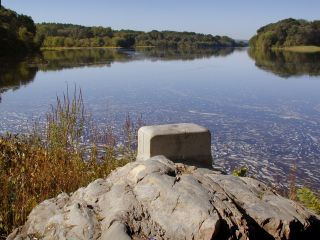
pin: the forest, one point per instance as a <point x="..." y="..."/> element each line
<point x="287" y="33"/>
<point x="69" y="35"/>
<point x="17" y="33"/>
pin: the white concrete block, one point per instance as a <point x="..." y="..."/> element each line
<point x="184" y="142"/>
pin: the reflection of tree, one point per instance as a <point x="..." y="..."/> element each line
<point x="286" y="64"/>
<point x="58" y="60"/>
<point x="15" y="73"/>
<point x="185" y="54"/>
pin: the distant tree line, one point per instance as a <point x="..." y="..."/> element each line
<point x="286" y="33"/>
<point x="17" y="33"/>
<point x="69" y="35"/>
<point x="182" y="40"/>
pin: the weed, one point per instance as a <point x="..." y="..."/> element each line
<point x="240" y="172"/>
<point x="61" y="157"/>
<point x="309" y="199"/>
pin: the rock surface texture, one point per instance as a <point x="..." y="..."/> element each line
<point x="157" y="199"/>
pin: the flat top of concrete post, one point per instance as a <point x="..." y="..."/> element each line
<point x="168" y="129"/>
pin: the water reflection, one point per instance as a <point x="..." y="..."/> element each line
<point x="185" y="54"/>
<point x="285" y="63"/>
<point x="17" y="72"/>
<point x="59" y="60"/>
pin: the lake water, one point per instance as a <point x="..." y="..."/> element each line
<point x="263" y="108"/>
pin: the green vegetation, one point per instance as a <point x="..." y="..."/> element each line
<point x="309" y="199"/>
<point x="69" y="35"/>
<point x="18" y="33"/>
<point x="170" y="39"/>
<point x="54" y="159"/>
<point x="240" y="172"/>
<point x="287" y="33"/>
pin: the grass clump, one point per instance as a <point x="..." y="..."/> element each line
<point x="309" y="199"/>
<point x="240" y="172"/>
<point x="61" y="157"/>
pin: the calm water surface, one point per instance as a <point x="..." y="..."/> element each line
<point x="263" y="108"/>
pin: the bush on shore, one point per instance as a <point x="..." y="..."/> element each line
<point x="61" y="157"/>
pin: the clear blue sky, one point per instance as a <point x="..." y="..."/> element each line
<point x="236" y="18"/>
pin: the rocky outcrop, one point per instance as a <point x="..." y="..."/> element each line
<point x="157" y="199"/>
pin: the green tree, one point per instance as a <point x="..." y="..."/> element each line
<point x="17" y="33"/>
<point x="68" y="42"/>
<point x="24" y="35"/>
<point x="287" y="32"/>
<point x="105" y="36"/>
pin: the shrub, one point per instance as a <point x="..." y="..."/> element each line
<point x="309" y="199"/>
<point x="240" y="172"/>
<point x="61" y="157"/>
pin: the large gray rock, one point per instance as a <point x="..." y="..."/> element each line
<point x="157" y="199"/>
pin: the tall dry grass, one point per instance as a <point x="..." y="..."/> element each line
<point x="61" y="157"/>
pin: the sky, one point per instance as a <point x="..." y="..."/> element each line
<point x="238" y="19"/>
